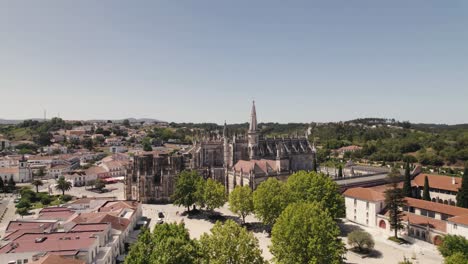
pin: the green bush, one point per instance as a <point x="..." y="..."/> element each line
<point x="66" y="198"/>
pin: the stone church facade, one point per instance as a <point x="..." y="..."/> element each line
<point x="251" y="159"/>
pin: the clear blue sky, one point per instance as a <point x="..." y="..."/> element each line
<point x="204" y="61"/>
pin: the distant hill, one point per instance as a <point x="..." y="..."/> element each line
<point x="132" y="120"/>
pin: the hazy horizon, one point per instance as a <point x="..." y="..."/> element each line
<point x="205" y="61"/>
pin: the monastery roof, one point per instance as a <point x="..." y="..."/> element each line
<point x="365" y="194"/>
<point x="438" y="182"/>
<point x="461" y="219"/>
<point x="424" y="221"/>
<point x="263" y="166"/>
<point x="436" y="207"/>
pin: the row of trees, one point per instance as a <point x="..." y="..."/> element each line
<point x="171" y="244"/>
<point x="192" y="190"/>
<point x="300" y="213"/>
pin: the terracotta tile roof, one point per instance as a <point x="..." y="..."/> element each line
<point x="17" y="233"/>
<point x="117" y="206"/>
<point x="438" y="182"/>
<point x="461" y="219"/>
<point x="21" y="225"/>
<point x="365" y="194"/>
<point x="55" y="215"/>
<point x="55" y="259"/>
<point x="90" y="227"/>
<point x="436" y="207"/>
<point x="9" y="170"/>
<point x="258" y="166"/>
<point x="95" y="170"/>
<point x="425" y="221"/>
<point x="53" y="242"/>
<point x="117" y="223"/>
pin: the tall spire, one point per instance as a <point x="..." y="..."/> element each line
<point x="253" y="118"/>
<point x="225" y="130"/>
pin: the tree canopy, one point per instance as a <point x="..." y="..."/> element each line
<point x="306" y="233"/>
<point x="63" y="185"/>
<point x="316" y="187"/>
<point x="230" y="243"/>
<point x="269" y="200"/>
<point x="241" y="201"/>
<point x="462" y="195"/>
<point x="185" y="192"/>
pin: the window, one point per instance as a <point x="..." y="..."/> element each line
<point x="454" y="225"/>
<point x="431" y="214"/>
<point x="367" y="214"/>
<point x="25" y="261"/>
<point x="367" y="205"/>
<point x="354" y="218"/>
<point x="355" y="202"/>
<point x="367" y="221"/>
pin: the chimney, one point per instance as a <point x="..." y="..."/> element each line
<point x="453" y="180"/>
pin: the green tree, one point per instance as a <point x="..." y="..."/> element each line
<point x="22" y="211"/>
<point x="241" y="201"/>
<point x="462" y="195"/>
<point x="361" y="241"/>
<point x="407" y="183"/>
<point x="453" y="244"/>
<point x="316" y="187"/>
<point x="306" y="233"/>
<point x="269" y="200"/>
<point x="457" y="258"/>
<point x="340" y="171"/>
<point x="185" y="192"/>
<point x="141" y="250"/>
<point x="11" y="184"/>
<point x="147" y="144"/>
<point x="214" y="194"/>
<point x="37" y="183"/>
<point x="88" y="143"/>
<point x="126" y="123"/>
<point x="63" y="185"/>
<point x="426" y="194"/>
<point x="171" y="244"/>
<point x="99" y="184"/>
<point x="395" y="200"/>
<point x="2" y="185"/>
<point x="230" y="243"/>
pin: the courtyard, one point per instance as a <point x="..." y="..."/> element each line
<point x="386" y="252"/>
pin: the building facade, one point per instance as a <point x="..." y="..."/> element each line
<point x="152" y="178"/>
<point x="252" y="158"/>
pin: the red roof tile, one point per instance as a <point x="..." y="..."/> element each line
<point x="365" y="194"/>
<point x="438" y="181"/>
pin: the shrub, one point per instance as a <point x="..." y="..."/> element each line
<point x="66" y="198"/>
<point x="361" y="241"/>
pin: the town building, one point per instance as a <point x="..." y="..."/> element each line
<point x="422" y="220"/>
<point x="442" y="189"/>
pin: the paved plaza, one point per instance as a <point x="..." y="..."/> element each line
<point x="387" y="252"/>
